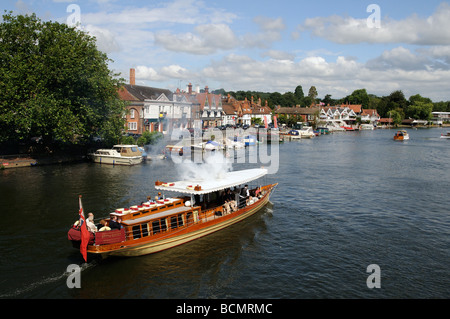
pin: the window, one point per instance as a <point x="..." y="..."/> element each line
<point x="145" y="230"/>
<point x="132" y="126"/>
<point x="173" y="222"/>
<point x="136" y="231"/>
<point x="132" y="113"/>
<point x="155" y="227"/>
<point x="163" y="224"/>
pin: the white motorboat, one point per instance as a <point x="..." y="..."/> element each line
<point x="120" y="154"/>
<point x="447" y="136"/>
<point x="208" y="146"/>
<point x="365" y="127"/>
<point x="307" y="132"/>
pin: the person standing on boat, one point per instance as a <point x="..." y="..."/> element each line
<point x="90" y="223"/>
<point x="243" y="196"/>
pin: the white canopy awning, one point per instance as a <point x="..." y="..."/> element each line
<point x="229" y="179"/>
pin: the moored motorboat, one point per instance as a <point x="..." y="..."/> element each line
<point x="307" y="132"/>
<point x="120" y="154"/>
<point x="401" y="135"/>
<point x="364" y="127"/>
<point x="162" y="224"/>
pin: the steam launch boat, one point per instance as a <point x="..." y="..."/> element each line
<point x="204" y="207"/>
<point x="118" y="155"/>
<point x="401" y="135"/>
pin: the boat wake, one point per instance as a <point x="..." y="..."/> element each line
<point x="45" y="281"/>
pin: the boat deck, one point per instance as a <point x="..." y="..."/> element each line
<point x="162" y="214"/>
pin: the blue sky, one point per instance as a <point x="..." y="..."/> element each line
<point x="269" y="45"/>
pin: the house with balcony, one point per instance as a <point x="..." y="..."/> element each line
<point x="338" y="114"/>
<point x="370" y="116"/>
<point x="440" y="118"/>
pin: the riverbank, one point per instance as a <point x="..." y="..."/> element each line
<point x="25" y="160"/>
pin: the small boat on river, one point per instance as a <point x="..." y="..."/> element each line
<point x="401" y="135"/>
<point x="447" y="136"/>
<point x="119" y="155"/>
<point x="204" y="207"/>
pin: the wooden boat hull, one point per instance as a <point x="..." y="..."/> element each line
<point x="175" y="238"/>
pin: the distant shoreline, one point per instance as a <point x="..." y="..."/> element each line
<point x="29" y="160"/>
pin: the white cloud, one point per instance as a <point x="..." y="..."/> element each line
<point x="207" y="39"/>
<point x="434" y="30"/>
<point x="178" y="11"/>
<point x="279" y="55"/>
<point x="269" y="24"/>
<point x="106" y="40"/>
<point x="210" y="38"/>
<point x="270" y="31"/>
<point x="339" y="77"/>
<point x="165" y="73"/>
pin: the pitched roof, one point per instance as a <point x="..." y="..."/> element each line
<point x="355" y="108"/>
<point x="297" y="110"/>
<point x="369" y="112"/>
<point x="229" y="109"/>
<point x="141" y="93"/>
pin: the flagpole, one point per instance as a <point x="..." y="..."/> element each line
<point x="85" y="235"/>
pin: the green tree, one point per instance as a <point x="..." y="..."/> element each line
<point x="327" y="100"/>
<point x="299" y="93"/>
<point x="419" y="98"/>
<point x="420" y="110"/>
<point x="290" y="99"/>
<point x="396" y="100"/>
<point x="396" y="116"/>
<point x="312" y="94"/>
<point x="55" y="83"/>
<point x="358" y="97"/>
<point x="441" y="106"/>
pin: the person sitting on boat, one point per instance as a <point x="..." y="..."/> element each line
<point x="113" y="224"/>
<point x="90" y="223"/>
<point x="250" y="200"/>
<point x="105" y="226"/>
<point x="233" y="206"/>
<point x="160" y="196"/>
<point x="226" y="207"/>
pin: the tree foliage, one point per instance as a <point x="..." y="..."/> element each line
<point x="54" y="83"/>
<point x="415" y="107"/>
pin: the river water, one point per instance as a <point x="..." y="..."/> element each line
<point x="344" y="201"/>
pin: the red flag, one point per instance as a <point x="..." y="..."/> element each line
<point x="265" y="121"/>
<point x="275" y="122"/>
<point x="84" y="232"/>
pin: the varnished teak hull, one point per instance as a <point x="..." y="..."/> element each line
<point x="153" y="244"/>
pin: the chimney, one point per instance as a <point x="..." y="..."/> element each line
<point x="190" y="88"/>
<point x="132" y="77"/>
<point x="206" y="89"/>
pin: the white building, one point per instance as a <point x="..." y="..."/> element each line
<point x="440" y="117"/>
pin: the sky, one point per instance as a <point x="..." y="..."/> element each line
<point x="338" y="46"/>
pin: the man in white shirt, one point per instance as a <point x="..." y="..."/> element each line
<point x="90" y="223"/>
